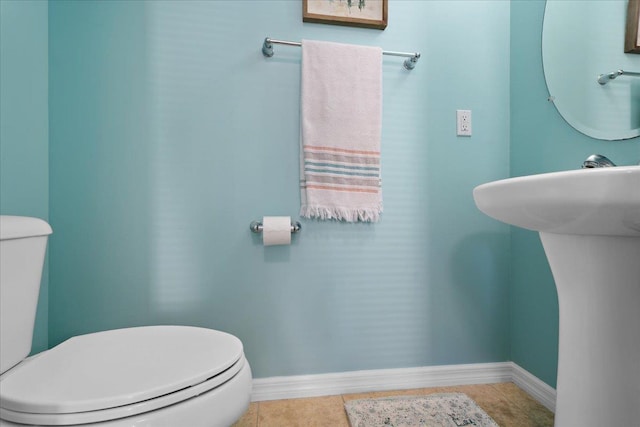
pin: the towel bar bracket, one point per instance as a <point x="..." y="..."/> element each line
<point x="603" y="79"/>
<point x="410" y="63"/>
<point x="267" y="48"/>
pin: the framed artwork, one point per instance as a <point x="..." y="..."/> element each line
<point x="355" y="13"/>
<point x="632" y="39"/>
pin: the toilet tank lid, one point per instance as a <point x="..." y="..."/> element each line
<point x="19" y="227"/>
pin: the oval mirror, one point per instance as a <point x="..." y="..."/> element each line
<point x="580" y="41"/>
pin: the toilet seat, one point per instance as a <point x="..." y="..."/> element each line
<point x="120" y="373"/>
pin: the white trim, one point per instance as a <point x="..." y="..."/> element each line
<point x="293" y="387"/>
<point x="534" y="386"/>
<point x="378" y="380"/>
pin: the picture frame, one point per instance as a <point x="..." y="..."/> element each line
<point x="632" y="39"/>
<point x="354" y="13"/>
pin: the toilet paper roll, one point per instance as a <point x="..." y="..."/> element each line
<point x="276" y="230"/>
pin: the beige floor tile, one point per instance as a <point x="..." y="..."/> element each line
<point x="527" y="411"/>
<point x="250" y="418"/>
<point x="506" y="403"/>
<point x="314" y="412"/>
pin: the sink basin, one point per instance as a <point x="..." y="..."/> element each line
<point x="589" y="225"/>
<point x="604" y="201"/>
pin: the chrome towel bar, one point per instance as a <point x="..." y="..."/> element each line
<point x="409" y="63"/>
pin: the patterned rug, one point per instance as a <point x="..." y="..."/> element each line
<point x="435" y="410"/>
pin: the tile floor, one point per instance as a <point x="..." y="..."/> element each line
<point x="506" y="403"/>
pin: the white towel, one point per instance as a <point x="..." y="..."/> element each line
<point x="341" y="126"/>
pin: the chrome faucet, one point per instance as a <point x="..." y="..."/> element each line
<point x="597" y="161"/>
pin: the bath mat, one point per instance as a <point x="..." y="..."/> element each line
<point x="435" y="410"/>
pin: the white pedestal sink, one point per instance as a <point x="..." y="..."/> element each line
<point x="589" y="224"/>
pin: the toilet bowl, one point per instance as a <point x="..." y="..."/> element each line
<point x="141" y="376"/>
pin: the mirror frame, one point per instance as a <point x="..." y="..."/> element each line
<point x="632" y="39"/>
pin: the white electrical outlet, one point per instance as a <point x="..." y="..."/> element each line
<point x="463" y="122"/>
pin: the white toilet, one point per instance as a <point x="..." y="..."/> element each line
<point x="144" y="376"/>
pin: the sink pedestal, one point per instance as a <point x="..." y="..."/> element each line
<point x="598" y="284"/>
<point x="589" y="223"/>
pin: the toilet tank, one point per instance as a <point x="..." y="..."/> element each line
<point x="23" y="242"/>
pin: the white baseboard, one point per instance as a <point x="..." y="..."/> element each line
<point x="298" y="386"/>
<point x="534" y="386"/>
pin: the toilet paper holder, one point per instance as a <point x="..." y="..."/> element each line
<point x="256" y="227"/>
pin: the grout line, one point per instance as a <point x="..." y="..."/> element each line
<point x="258" y="414"/>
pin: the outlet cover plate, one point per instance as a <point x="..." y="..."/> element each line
<point x="463" y="122"/>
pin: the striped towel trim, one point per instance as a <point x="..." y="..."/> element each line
<point x="341" y="169"/>
<point x="308" y="148"/>
<point x="336" y="188"/>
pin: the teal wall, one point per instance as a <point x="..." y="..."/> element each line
<point x="24" y="155"/>
<point x="170" y="133"/>
<point x="541" y="141"/>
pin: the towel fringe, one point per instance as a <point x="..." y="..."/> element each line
<point x="342" y="214"/>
